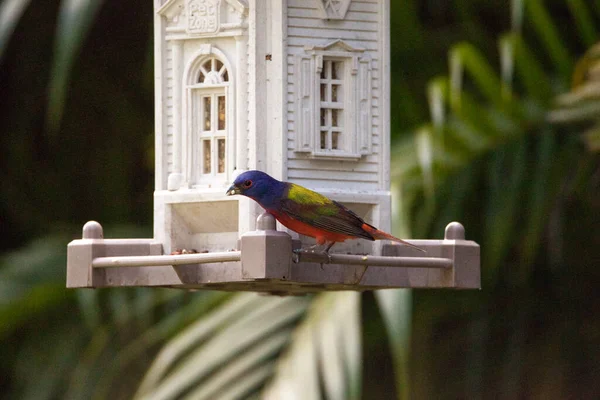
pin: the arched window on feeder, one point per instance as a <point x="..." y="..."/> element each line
<point x="209" y="130"/>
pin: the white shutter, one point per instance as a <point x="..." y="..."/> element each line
<point x="305" y="118"/>
<point x="363" y="104"/>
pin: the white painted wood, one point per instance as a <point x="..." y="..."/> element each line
<point x="160" y="145"/>
<point x="274" y="52"/>
<point x="175" y="179"/>
<point x="241" y="101"/>
<point x="275" y="67"/>
<point x="386" y="98"/>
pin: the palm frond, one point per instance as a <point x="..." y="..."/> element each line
<point x="10" y="14"/>
<point x="222" y="347"/>
<point x="396" y="306"/>
<point x="582" y="103"/>
<point x="75" y="20"/>
<point x="324" y="357"/>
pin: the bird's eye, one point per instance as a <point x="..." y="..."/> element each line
<point x="247" y="184"/>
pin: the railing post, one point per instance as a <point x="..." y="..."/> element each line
<point x="80" y="254"/>
<point x="266" y="252"/>
<point x="466" y="255"/>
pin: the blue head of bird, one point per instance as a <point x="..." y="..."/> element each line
<point x="258" y="186"/>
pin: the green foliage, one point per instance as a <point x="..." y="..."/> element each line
<point x="480" y="115"/>
<point x="493" y="158"/>
<point x="75" y="18"/>
<point x="31" y="283"/>
<point x="82" y="344"/>
<point x="91" y="161"/>
<point x="324" y="357"/>
<point x="10" y="13"/>
<point x="228" y="353"/>
<point x="582" y="103"/>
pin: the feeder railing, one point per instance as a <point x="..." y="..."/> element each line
<point x="373" y="261"/>
<point x="269" y="261"/>
<point x="155" y="261"/>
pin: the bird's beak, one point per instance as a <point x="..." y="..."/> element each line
<point x="233" y="190"/>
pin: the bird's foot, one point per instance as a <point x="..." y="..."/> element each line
<point x="187" y="251"/>
<point x="361" y="275"/>
<point x="309" y="249"/>
<point x="325" y="253"/>
<point x="298" y="252"/>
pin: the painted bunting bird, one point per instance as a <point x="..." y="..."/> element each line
<point x="306" y="212"/>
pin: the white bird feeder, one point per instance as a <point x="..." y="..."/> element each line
<point x="299" y="89"/>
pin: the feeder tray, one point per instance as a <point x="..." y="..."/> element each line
<point x="270" y="261"/>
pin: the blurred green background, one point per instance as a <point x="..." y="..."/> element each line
<point x="496" y="121"/>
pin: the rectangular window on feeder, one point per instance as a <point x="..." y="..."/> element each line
<point x="333" y="102"/>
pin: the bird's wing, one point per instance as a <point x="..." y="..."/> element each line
<point x="317" y="210"/>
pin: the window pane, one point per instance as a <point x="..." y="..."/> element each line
<point x="219" y="65"/>
<point x="335" y="140"/>
<point x="336" y="69"/>
<point x="323" y="117"/>
<point x="201" y="77"/>
<point x="323" y="140"/>
<point x="334" y="117"/>
<point x="206" y="106"/>
<point x="208" y="65"/>
<point x="225" y="76"/>
<point x="323" y="92"/>
<point x="221" y="155"/>
<point x="334" y="92"/>
<point x="221" y="102"/>
<point x="206" y="156"/>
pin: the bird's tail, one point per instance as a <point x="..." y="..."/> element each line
<point x="381" y="235"/>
